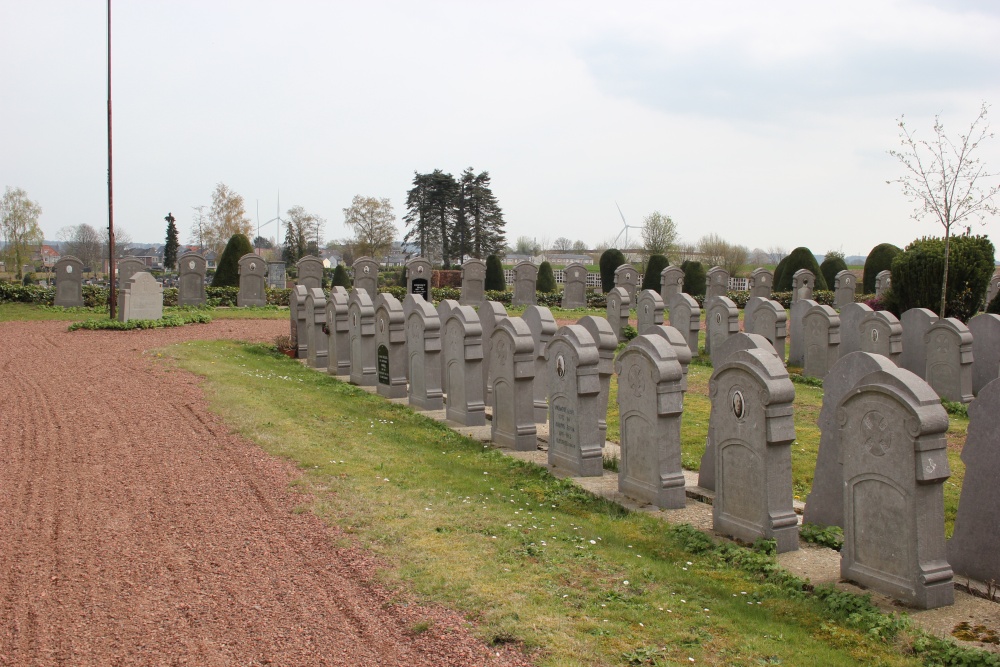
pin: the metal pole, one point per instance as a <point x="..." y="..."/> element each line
<point x="112" y="292"/>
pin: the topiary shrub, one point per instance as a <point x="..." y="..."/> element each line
<point x="779" y="270"/>
<point x="655" y="266"/>
<point x="546" y="280"/>
<point x="610" y="260"/>
<point x="340" y="277"/>
<point x="878" y="260"/>
<point x="694" y="278"/>
<point x="495" y="280"/>
<point x="227" y="274"/>
<point x="917" y="271"/>
<point x="800" y="258"/>
<point x="831" y="266"/>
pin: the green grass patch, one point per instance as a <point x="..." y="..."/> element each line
<point x="172" y="320"/>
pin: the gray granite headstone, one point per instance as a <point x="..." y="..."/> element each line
<point x="796" y="330"/>
<point x="512" y="360"/>
<point x="649" y="309"/>
<point x="821" y="337"/>
<point x="626" y="276"/>
<point x="974" y="547"/>
<point x="985" y="330"/>
<point x="542" y="326"/>
<point x="423" y="347"/>
<point x="297" y="313"/>
<point x="463" y="366"/>
<point x="361" y="329"/>
<point x="994" y="287"/>
<point x="769" y="319"/>
<point x="761" y="283"/>
<point x="276" y="275"/>
<point x="883" y="281"/>
<point x="366" y="276"/>
<point x="881" y="333"/>
<point x="69" y="282"/>
<point x="845" y="286"/>
<point x="722" y="320"/>
<point x="525" y="279"/>
<point x="338" y="332"/>
<point x="650" y="403"/>
<point x="949" y="360"/>
<point x="310" y="272"/>
<point x="752" y="424"/>
<point x="128" y="267"/>
<point x="141" y="298"/>
<point x="574" y="406"/>
<point x="676" y="340"/>
<point x="490" y="314"/>
<point x="716" y="282"/>
<point x="892" y="439"/>
<point x="574" y="286"/>
<point x="191" y="268"/>
<point x="444" y="310"/>
<point x="851" y="317"/>
<point x="618" y="305"/>
<point x="253" y="281"/>
<point x="671" y="282"/>
<point x="607" y="343"/>
<point x="316" y="339"/>
<point x="685" y="316"/>
<point x="915" y="322"/>
<point x="418" y="278"/>
<point x="473" y="282"/>
<point x="390" y="346"/>
<point x="825" y="503"/>
<point x="803" y="284"/>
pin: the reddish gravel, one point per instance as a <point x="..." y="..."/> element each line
<point x="135" y="529"/>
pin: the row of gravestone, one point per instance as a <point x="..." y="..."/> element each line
<point x="191" y="283"/>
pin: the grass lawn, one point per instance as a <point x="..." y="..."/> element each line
<point x="26" y="311"/>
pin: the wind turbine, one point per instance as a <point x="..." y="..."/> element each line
<point x="624" y="230"/>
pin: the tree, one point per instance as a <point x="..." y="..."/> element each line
<point x="341" y="277"/>
<point x="800" y="258"/>
<point x="228" y="272"/>
<point x="562" y="244"/>
<point x="659" y="234"/>
<point x="917" y="277"/>
<point x="720" y="252"/>
<point x="19" y="222"/>
<point x="495" y="279"/>
<point x="943" y="179"/>
<point x="654" y="267"/>
<point x="526" y="245"/>
<point x="776" y="253"/>
<point x="85" y="243"/>
<point x="833" y="263"/>
<point x="610" y="260"/>
<point x="430" y="214"/>
<point x="172" y="245"/>
<point x="546" y="280"/>
<point x="303" y="231"/>
<point x="374" y="225"/>
<point x="579" y="246"/>
<point x="878" y="260"/>
<point x="694" y="278"/>
<point x="226" y="218"/>
<point x="263" y="243"/>
<point x="479" y="223"/>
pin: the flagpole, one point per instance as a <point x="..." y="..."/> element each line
<point x="112" y="292"/>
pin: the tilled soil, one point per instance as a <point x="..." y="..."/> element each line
<point x="135" y="529"/>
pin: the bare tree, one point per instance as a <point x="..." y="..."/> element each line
<point x="776" y="253"/>
<point x="579" y="246"/>
<point x="759" y="257"/>
<point x="374" y="225"/>
<point x="659" y="234"/>
<point x="562" y="244"/>
<point x="87" y="245"/>
<point x="719" y="252"/>
<point x="943" y="179"/>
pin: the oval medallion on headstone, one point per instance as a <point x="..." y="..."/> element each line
<point x="560" y="366"/>
<point x="191" y="264"/>
<point x="718" y="318"/>
<point x="739" y="404"/>
<point x="367" y="269"/>
<point x="420" y="269"/>
<point x="69" y="269"/>
<point x="874" y="335"/>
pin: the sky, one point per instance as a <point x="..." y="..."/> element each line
<point x="767" y="123"/>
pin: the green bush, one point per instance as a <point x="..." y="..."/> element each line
<point x="546" y="281"/>
<point x="779" y="271"/>
<point x="341" y="277"/>
<point x="994" y="305"/>
<point x="878" y="260"/>
<point x="800" y="258"/>
<point x="655" y="266"/>
<point x="694" y="278"/>
<point x="610" y="260"/>
<point x="917" y="271"/>
<point x="495" y="280"/>
<point x="830" y="267"/>
<point x="228" y="272"/>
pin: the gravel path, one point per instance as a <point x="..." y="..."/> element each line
<point x="135" y="529"/>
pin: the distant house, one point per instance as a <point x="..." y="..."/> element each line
<point x="209" y="255"/>
<point x="151" y="257"/>
<point x="565" y="259"/>
<point x="49" y="256"/>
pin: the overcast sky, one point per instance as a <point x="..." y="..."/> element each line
<point x="765" y="122"/>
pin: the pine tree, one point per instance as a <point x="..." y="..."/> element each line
<point x="173" y="244"/>
<point x="483" y="214"/>
<point x="430" y="214"/>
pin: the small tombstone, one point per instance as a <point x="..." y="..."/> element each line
<point x="512" y="360"/>
<point x="574" y="286"/>
<point x="851" y="317"/>
<point x="361" y="329"/>
<point x="893" y="447"/>
<point x="761" y="283"/>
<point x="128" y="267"/>
<point x="317" y="342"/>
<point x="626" y="276"/>
<point x="680" y="345"/>
<point x="574" y="406"/>
<point x="525" y="278"/>
<point x="423" y="349"/>
<point x="649" y="309"/>
<point x="192" y="268"/>
<point x="463" y="366"/>
<point x="994" y="287"/>
<point x="366" y="276"/>
<point x="825" y="503"/>
<point x="974" y="547"/>
<point x="769" y="319"/>
<point x="490" y="314"/>
<point x="542" y="326"/>
<point x="821" y="337"/>
<point x="253" y="281"/>
<point x="298" y="317"/>
<point x="276" y="275"/>
<point x="418" y="278"/>
<point x="69" y="282"/>
<point x="390" y="346"/>
<point x="883" y="281"/>
<point x="716" y="282"/>
<point x="949" y="360"/>
<point x="916" y="322"/>
<point x="671" y="282"/>
<point x="338" y="332"/>
<point x="845" y="285"/>
<point x="803" y="283"/>
<point x="985" y="329"/>
<point x="141" y="298"/>
<point x="444" y="310"/>
<point x="881" y="333"/>
<point x="310" y="272"/>
<point x="619" y="303"/>
<point x="753" y="427"/>
<point x="473" y="282"/>
<point x="722" y="320"/>
<point x="607" y="343"/>
<point x="650" y="402"/>
<point x="685" y="316"/>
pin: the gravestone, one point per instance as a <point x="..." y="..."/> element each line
<point x="525" y="278"/>
<point x="716" y="282"/>
<point x="607" y="344"/>
<point x="796" y="328"/>
<point x="825" y="503"/>
<point x="974" y="547"/>
<point x="949" y="360"/>
<point x="883" y="281"/>
<point x="473" y="282"/>
<point x="803" y="283"/>
<point x="761" y="283"/>
<point x="276" y="275"/>
<point x="338" y="326"/>
<point x="671" y="282"/>
<point x="626" y="276"/>
<point x="851" y="317"/>
<point x="128" y="267"/>
<point x="915" y="322"/>
<point x="444" y="310"/>
<point x="191" y="268"/>
<point x="574" y="286"/>
<point x="821" y="338"/>
<point x="253" y="285"/>
<point x="619" y="304"/>
<point x="542" y="326"/>
<point x="390" y="346"/>
<point x="985" y="330"/>
<point x="141" y="298"/>
<point x="297" y="315"/>
<point x="685" y="316"/>
<point x="676" y="340"/>
<point x="649" y="309"/>
<point x="845" y="285"/>
<point x="317" y="342"/>
<point x="310" y="272"/>
<point x="753" y="427"/>
<point x="722" y="320"/>
<point x="423" y="349"/>
<point x="650" y="403"/>
<point x="994" y="287"/>
<point x="490" y="314"/>
<point x="512" y="360"/>
<point x="366" y="276"/>
<point x="574" y="406"/>
<point x="418" y="278"/>
<point x="69" y="282"/>
<point x="769" y="319"/>
<point x="463" y="366"/>
<point x="361" y="329"/>
<point x="892" y="438"/>
<point x="881" y="333"/>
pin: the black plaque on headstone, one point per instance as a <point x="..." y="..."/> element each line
<point x="383" y="364"/>
<point x="419" y="287"/>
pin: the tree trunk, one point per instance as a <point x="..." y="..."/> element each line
<point x="944" y="278"/>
